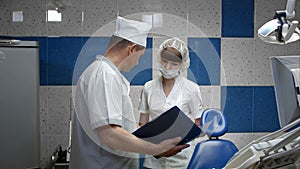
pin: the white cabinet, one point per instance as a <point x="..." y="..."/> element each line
<point x="19" y="110"/>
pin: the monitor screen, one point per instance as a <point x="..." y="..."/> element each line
<point x="286" y="74"/>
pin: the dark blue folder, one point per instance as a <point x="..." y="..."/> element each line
<point x="172" y="123"/>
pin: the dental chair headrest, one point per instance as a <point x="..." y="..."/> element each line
<point x="214" y="122"/>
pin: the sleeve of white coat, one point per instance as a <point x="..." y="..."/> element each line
<point x="104" y="100"/>
<point x="143" y="102"/>
<point x="195" y="104"/>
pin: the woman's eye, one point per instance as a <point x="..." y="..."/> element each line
<point x="163" y="61"/>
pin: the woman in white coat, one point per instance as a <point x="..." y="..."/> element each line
<point x="168" y="90"/>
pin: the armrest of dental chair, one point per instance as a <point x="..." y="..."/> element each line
<point x="214" y="152"/>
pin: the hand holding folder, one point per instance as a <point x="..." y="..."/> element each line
<point x="172" y="123"/>
<point x="174" y="150"/>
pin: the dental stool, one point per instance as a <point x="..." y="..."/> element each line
<point x="214" y="152"/>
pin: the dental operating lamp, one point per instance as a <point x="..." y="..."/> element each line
<point x="281" y="30"/>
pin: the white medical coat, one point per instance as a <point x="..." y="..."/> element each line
<point x="101" y="98"/>
<point x="186" y="95"/>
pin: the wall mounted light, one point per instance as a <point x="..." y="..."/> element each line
<point x="53" y="16"/>
<point x="281" y="30"/>
<point x="54" y="12"/>
<point x="17" y="16"/>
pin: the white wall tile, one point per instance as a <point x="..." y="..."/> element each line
<point x="237" y="56"/>
<point x="293" y="48"/>
<point x="174" y="7"/>
<point x="262" y="72"/>
<point x="205" y="15"/>
<point x="45" y="156"/>
<point x="33" y="18"/>
<point x="174" y="15"/>
<point x="43" y="104"/>
<point x="55" y="109"/>
<point x="242" y="139"/>
<point x="98" y="16"/>
<point x="59" y="109"/>
<point x="5" y="17"/>
<point x="211" y="96"/>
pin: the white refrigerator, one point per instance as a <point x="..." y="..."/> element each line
<point x="19" y="108"/>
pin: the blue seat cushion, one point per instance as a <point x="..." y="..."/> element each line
<point x="212" y="154"/>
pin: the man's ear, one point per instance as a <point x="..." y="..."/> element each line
<point x="132" y="48"/>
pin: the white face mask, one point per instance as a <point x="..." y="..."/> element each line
<point x="168" y="73"/>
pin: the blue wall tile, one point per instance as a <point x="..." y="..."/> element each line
<point x="205" y="60"/>
<point x="92" y="47"/>
<point x="237" y="18"/>
<point x="250" y="108"/>
<point x="265" y="110"/>
<point x="63" y="59"/>
<point x="238" y="107"/>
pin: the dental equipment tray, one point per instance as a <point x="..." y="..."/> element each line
<point x="172" y="123"/>
<point x="279" y="149"/>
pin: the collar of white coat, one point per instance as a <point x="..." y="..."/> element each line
<point x="178" y="81"/>
<point x="114" y="67"/>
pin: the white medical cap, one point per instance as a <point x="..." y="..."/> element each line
<point x="180" y="46"/>
<point x="132" y="30"/>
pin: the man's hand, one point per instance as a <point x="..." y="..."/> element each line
<point x="173" y="151"/>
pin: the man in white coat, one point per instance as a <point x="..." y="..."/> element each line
<point x="104" y="120"/>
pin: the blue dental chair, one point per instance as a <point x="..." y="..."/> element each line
<point x="214" y="152"/>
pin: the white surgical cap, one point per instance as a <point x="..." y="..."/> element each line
<point x="180" y="46"/>
<point x="132" y="30"/>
